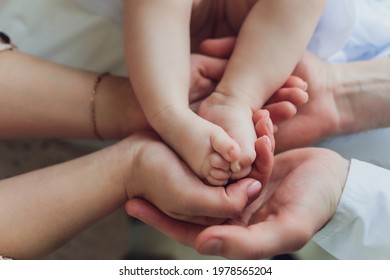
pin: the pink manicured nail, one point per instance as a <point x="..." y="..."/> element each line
<point x="253" y="189"/>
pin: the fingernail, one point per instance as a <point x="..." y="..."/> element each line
<point x="268" y="141"/>
<point x="211" y="247"/>
<point x="270" y="126"/>
<point x="235" y="167"/>
<point x="232" y="154"/>
<point x="305" y="86"/>
<point x="253" y="189"/>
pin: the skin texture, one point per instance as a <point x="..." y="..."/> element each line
<point x="59" y="200"/>
<point x="291" y="208"/>
<point x="342" y="98"/>
<point x="306" y="184"/>
<point x="225" y="121"/>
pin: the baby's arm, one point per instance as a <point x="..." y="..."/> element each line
<point x="157" y="48"/>
<point x="270" y="43"/>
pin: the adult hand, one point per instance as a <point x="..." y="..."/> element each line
<point x="301" y="196"/>
<point x="319" y="118"/>
<point x="286" y="100"/>
<point x="152" y="171"/>
<point x="314" y="120"/>
<point x="344" y="98"/>
<point x="205" y="72"/>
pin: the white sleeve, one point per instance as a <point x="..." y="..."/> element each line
<point x="360" y="228"/>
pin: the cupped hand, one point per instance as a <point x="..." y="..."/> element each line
<point x="205" y="72"/>
<point x="152" y="171"/>
<point x="284" y="102"/>
<point x="301" y="196"/>
<point x="319" y="118"/>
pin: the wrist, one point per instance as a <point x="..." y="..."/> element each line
<point x="130" y="157"/>
<point x="342" y="169"/>
<point x="362" y="95"/>
<point x="123" y="159"/>
<point x="118" y="113"/>
<point x="341" y="88"/>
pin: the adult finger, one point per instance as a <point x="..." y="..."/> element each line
<point x="259" y="114"/>
<point x="264" y="126"/>
<point x="212" y="67"/>
<point x="222" y="202"/>
<point x="295" y="81"/>
<point x="221" y="47"/>
<point x="281" y="111"/>
<point x="295" y="95"/>
<point x="258" y="241"/>
<point x="180" y="231"/>
<point x="264" y="162"/>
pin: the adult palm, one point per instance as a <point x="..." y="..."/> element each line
<point x="300" y="197"/>
<point x="320" y="117"/>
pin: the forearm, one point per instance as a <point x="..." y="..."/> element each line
<point x="40" y="99"/>
<point x="158" y="53"/>
<point x="362" y="94"/>
<point x="43" y="209"/>
<point x="270" y="44"/>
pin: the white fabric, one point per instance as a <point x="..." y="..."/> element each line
<point x="370" y="37"/>
<point x="360" y="228"/>
<point x="348" y="30"/>
<point x="352" y="30"/>
<point x="113" y="9"/>
<point x="64" y="32"/>
<point x="5" y="47"/>
<point x="334" y="28"/>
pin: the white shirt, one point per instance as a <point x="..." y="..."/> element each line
<point x="112" y="9"/>
<point x="352" y="30"/>
<point x="347" y="31"/>
<point x="360" y="229"/>
<point x="334" y="28"/>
